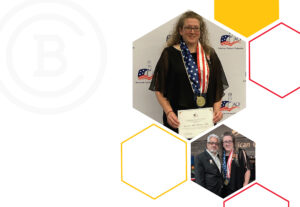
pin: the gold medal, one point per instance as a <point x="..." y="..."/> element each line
<point x="226" y="182"/>
<point x="200" y="101"/>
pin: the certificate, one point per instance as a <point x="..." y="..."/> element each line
<point x="195" y="121"/>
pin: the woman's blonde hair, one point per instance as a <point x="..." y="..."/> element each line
<point x="175" y="37"/>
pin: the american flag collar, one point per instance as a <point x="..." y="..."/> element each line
<point x="198" y="74"/>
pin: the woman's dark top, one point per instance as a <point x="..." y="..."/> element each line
<point x="239" y="166"/>
<point x="170" y="78"/>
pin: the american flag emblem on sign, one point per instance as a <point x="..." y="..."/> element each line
<point x="225" y="40"/>
<point x="143" y="74"/>
<point x="224" y="106"/>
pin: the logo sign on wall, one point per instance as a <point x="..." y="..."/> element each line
<point x="144" y="75"/>
<point x="228" y="41"/>
<point x="228" y="105"/>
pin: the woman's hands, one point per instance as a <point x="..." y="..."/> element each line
<point x="171" y="116"/>
<point x="172" y="119"/>
<point x="218" y="115"/>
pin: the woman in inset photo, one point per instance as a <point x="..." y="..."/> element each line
<point x="235" y="166"/>
<point x="189" y="74"/>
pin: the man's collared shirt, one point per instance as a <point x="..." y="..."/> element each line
<point x="216" y="159"/>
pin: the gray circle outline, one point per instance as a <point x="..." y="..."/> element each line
<point x="102" y="47"/>
<point x="10" y="63"/>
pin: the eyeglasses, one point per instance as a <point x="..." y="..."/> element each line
<point x="213" y="143"/>
<point x="227" y="142"/>
<point x="189" y="29"/>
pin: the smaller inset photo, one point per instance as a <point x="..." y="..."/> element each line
<point x="223" y="161"/>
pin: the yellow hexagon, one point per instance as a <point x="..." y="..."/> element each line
<point x="248" y="16"/>
<point x="153" y="149"/>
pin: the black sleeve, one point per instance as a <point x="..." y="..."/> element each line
<point x="159" y="80"/>
<point x="199" y="171"/>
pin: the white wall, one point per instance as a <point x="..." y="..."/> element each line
<point x="147" y="50"/>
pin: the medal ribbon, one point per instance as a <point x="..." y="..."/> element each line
<point x="203" y="69"/>
<point x="198" y="74"/>
<point x="227" y="166"/>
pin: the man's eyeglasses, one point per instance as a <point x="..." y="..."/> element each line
<point x="227" y="142"/>
<point x="213" y="143"/>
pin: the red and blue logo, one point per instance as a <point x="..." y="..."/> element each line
<point x="144" y="74"/>
<point x="225" y="106"/>
<point x="229" y="40"/>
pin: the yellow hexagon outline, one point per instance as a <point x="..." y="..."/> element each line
<point x="136" y="187"/>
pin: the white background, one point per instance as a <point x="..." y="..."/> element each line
<point x="149" y="48"/>
<point x="73" y="158"/>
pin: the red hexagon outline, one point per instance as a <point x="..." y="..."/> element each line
<point x="259" y="186"/>
<point x="281" y="23"/>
